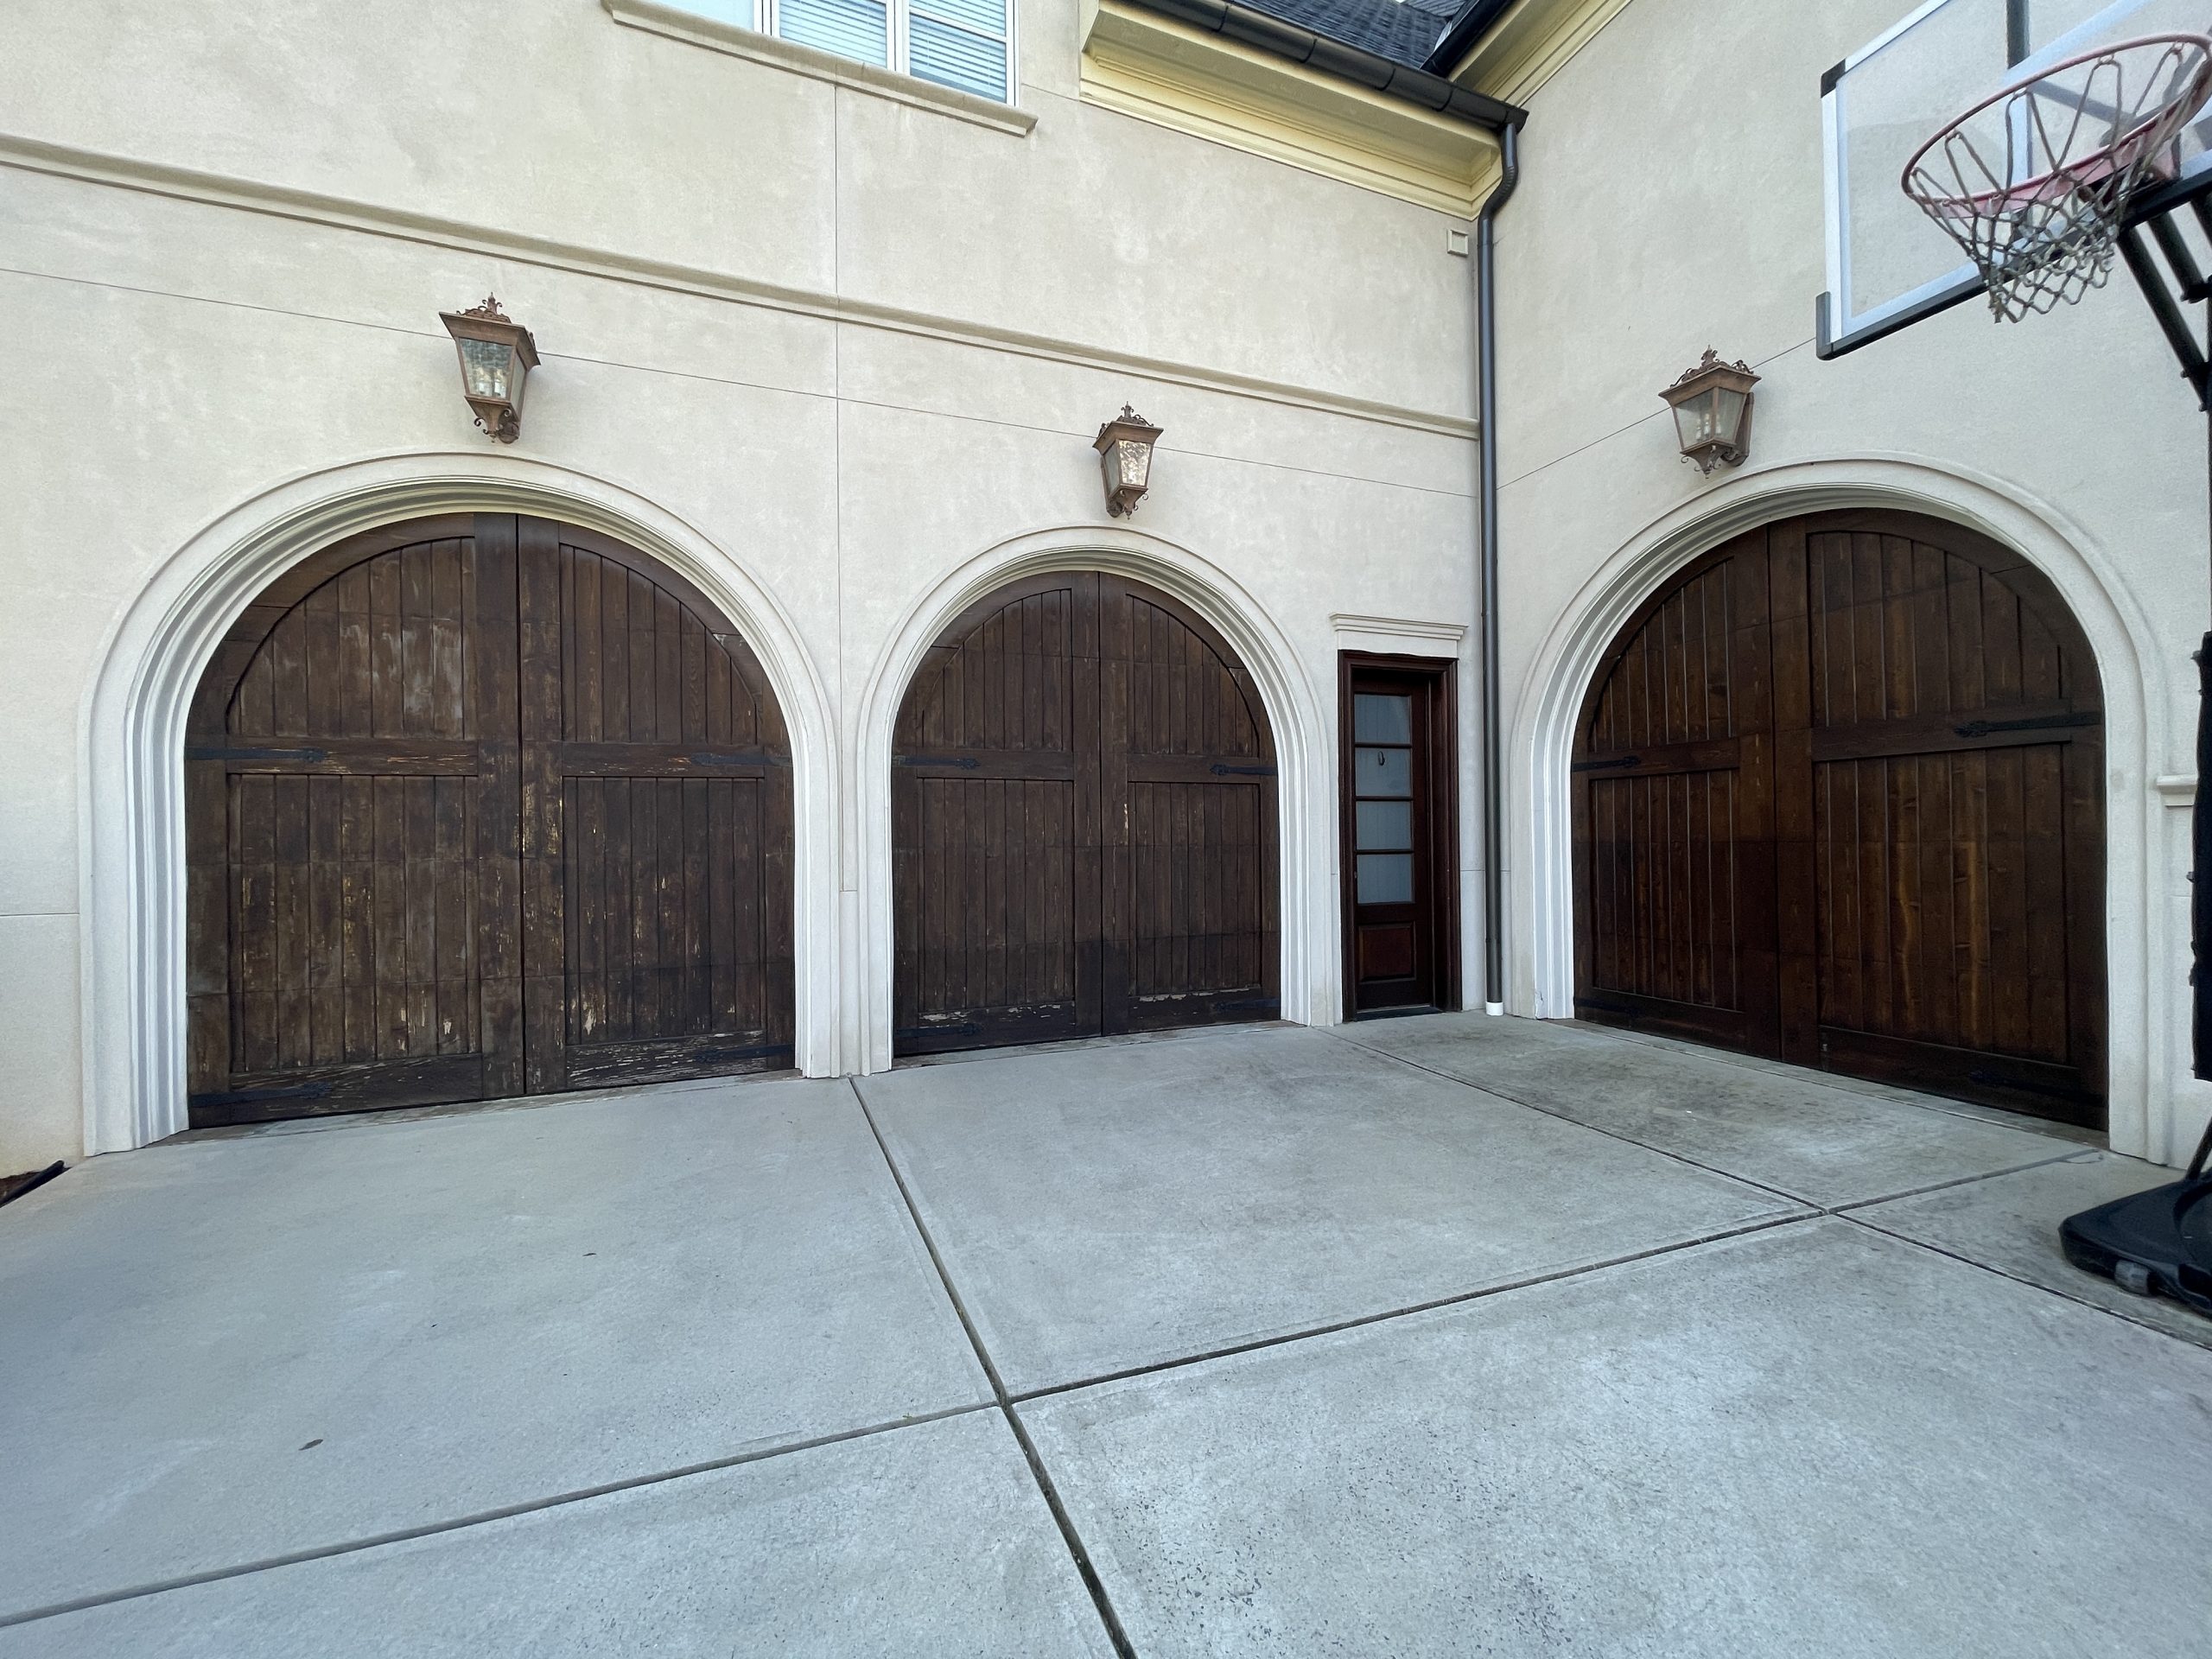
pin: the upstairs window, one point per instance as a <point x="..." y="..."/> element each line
<point x="957" y="43"/>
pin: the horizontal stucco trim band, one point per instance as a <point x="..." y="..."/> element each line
<point x="756" y="48"/>
<point x="286" y="201"/>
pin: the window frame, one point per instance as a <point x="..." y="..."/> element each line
<point x="767" y="19"/>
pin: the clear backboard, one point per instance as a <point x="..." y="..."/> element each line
<point x="1888" y="266"/>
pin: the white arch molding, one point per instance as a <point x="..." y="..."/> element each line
<point x="2139" y="942"/>
<point x="131" y="752"/>
<point x="1304" y="760"/>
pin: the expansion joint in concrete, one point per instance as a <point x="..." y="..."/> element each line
<point x="461" y="1523"/>
<point x="1061" y="1518"/>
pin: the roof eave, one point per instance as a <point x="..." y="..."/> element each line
<point x="1356" y="64"/>
<point x="1463" y="35"/>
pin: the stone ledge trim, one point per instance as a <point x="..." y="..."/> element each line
<point x="1398" y="637"/>
<point x="756" y="48"/>
<point x="287" y="201"/>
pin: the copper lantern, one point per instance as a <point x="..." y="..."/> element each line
<point x="1712" y="412"/>
<point x="1124" y="446"/>
<point x="497" y="355"/>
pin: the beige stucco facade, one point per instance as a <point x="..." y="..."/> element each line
<point x="837" y="353"/>
<point x="1672" y="201"/>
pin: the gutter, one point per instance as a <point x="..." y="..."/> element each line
<point x="1361" y="67"/>
<point x="1430" y="92"/>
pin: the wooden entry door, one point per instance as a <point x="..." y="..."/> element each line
<point x="1083" y="823"/>
<point x="1839" y="799"/>
<point x="1400" y="834"/>
<point x="478" y="806"/>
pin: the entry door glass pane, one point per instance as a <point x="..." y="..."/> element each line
<point x="1385" y="827"/>
<point x="1382" y="718"/>
<point x="1386" y="773"/>
<point x="1386" y="877"/>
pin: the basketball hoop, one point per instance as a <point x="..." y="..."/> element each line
<point x="2034" y="180"/>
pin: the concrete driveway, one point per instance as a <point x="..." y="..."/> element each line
<point x="1440" y="1336"/>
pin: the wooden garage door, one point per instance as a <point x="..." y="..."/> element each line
<point x="1839" y="799"/>
<point x="1083" y="823"/>
<point x="480" y="807"/>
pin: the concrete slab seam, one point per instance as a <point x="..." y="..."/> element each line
<point x="1845" y="1084"/>
<point x="1073" y="1539"/>
<point x="1552" y="1112"/>
<point x="1765" y="1224"/>
<point x="1842" y="1211"/>
<point x="2070" y="1151"/>
<point x="2121" y="1314"/>
<point x="507" y="1511"/>
<point x="1961" y="1181"/>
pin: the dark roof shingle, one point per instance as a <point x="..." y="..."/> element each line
<point x="1403" y="31"/>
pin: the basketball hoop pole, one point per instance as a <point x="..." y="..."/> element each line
<point x="2202" y="815"/>
<point x="2167" y="289"/>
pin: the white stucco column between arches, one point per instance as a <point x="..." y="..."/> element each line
<point x="2140" y="944"/>
<point x="1305" y="761"/>
<point x="132" y="746"/>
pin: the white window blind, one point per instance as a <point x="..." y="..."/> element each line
<point x="962" y="44"/>
<point x="860" y="29"/>
<point x="959" y="44"/>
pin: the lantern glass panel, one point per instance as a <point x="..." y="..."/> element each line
<point x="1728" y="415"/>
<point x="487" y="369"/>
<point x="1136" y="462"/>
<point x="1694" y="421"/>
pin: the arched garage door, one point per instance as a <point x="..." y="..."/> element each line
<point x="478" y="806"/>
<point x="1083" y="823"/>
<point x="1839" y="799"/>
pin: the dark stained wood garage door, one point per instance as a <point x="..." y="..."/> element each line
<point x="480" y="807"/>
<point x="1839" y="799"/>
<point x="1083" y="823"/>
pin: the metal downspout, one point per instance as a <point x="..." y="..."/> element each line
<point x="1430" y="89"/>
<point x="1486" y="577"/>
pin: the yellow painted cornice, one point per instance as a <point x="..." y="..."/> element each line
<point x="1531" y="43"/>
<point x="1161" y="70"/>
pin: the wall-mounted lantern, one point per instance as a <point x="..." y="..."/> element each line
<point x="1712" y="412"/>
<point x="497" y="355"/>
<point x="1124" y="446"/>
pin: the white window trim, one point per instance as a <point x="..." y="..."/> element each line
<point x="759" y="46"/>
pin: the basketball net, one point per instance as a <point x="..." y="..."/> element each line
<point x="2034" y="181"/>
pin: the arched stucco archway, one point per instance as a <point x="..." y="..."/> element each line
<point x="131" y="799"/>
<point x="1305" y="760"/>
<point x="2139" y="938"/>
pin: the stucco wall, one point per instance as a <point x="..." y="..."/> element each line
<point x="1672" y="201"/>
<point x="847" y="345"/>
